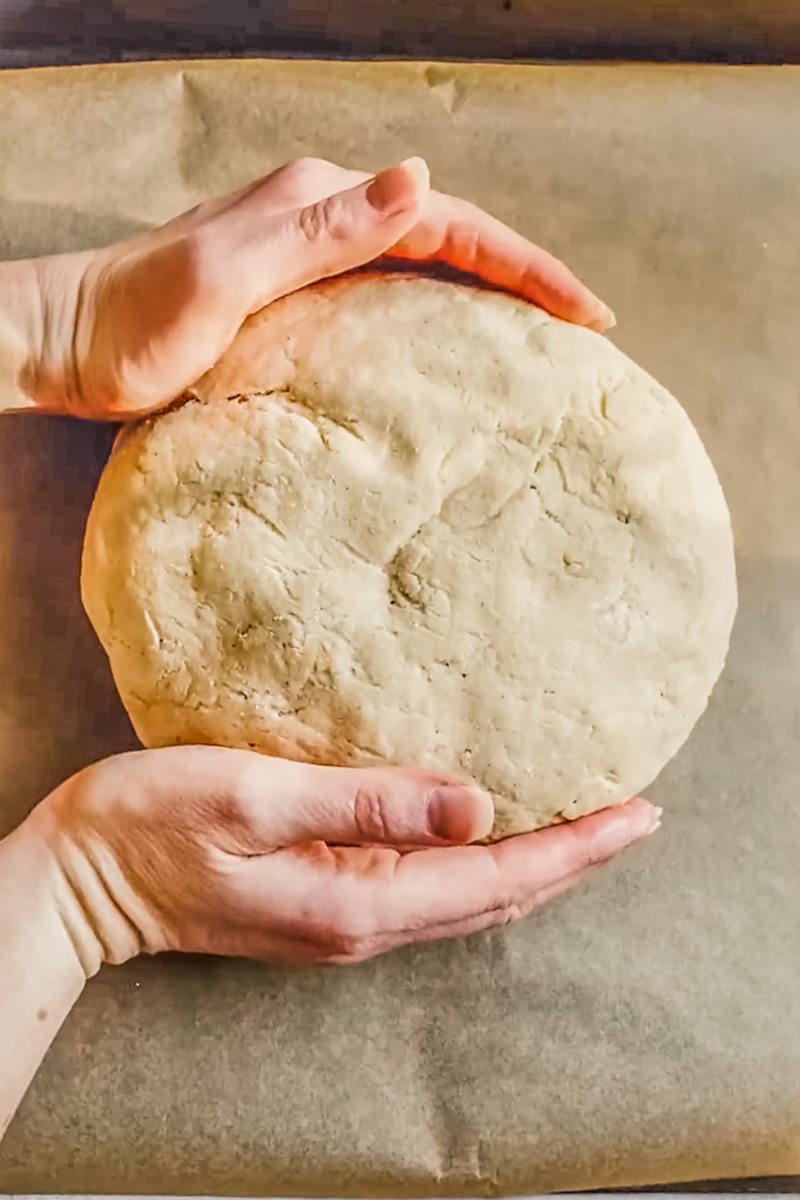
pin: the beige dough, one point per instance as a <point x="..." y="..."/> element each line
<point x="415" y="522"/>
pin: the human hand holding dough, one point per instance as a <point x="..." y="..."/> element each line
<point x="407" y="521"/>
<point x="216" y="851"/>
<point x="121" y="331"/>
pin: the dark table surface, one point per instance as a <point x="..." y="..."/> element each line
<point x="66" y="31"/>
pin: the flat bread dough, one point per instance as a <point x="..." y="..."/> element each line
<point x="417" y="522"/>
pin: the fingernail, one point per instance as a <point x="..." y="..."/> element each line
<point x="656" y="822"/>
<point x="397" y="189"/>
<point x="417" y="166"/>
<point x="618" y="832"/>
<point x="459" y="813"/>
<point x="604" y="318"/>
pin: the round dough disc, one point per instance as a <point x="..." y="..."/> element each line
<point x="416" y="522"/>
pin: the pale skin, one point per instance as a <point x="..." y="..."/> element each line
<point x="226" y="852"/>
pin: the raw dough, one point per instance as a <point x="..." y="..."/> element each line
<point x="413" y="521"/>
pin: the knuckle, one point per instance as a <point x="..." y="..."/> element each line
<point x="351" y="948"/>
<point x="577" y="851"/>
<point x="372" y="807"/>
<point x="514" y="912"/>
<point x="244" y="791"/>
<point x="343" y="946"/>
<point x="352" y="957"/>
<point x="468" y="243"/>
<point x="302" y="169"/>
<point x="590" y="854"/>
<point x="314" y="222"/>
<point x="231" y="807"/>
<point x="298" y="177"/>
<point x="327" y="220"/>
<point x="347" y="934"/>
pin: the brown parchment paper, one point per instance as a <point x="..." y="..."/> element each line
<point x="644" y="1029"/>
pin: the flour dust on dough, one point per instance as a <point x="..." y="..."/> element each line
<point x="414" y="522"/>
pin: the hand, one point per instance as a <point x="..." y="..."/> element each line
<point x="229" y="852"/>
<point x="126" y="329"/>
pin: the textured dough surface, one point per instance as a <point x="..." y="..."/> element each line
<point x="411" y="521"/>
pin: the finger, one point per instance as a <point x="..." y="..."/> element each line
<point x="350" y="227"/>
<point x="271" y="257"/>
<point x="507" y="915"/>
<point x="305" y="181"/>
<point x="457" y="233"/>
<point x="288" y="802"/>
<point x="350" y="899"/>
<point x="441" y="886"/>
<point x="309" y="945"/>
<point x="292" y="948"/>
<point x="289" y="187"/>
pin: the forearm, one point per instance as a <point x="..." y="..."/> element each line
<point x="41" y="976"/>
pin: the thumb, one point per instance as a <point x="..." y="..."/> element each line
<point x="288" y="802"/>
<point x="349" y="228"/>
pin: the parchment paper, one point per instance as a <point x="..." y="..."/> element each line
<point x="646" y="1028"/>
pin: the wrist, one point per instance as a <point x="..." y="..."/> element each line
<point x="40" y="301"/>
<point x="61" y="298"/>
<point x="97" y="908"/>
<point x="20" y="334"/>
<point x="30" y="861"/>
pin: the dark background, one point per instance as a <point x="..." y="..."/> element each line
<point x="65" y="31"/>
